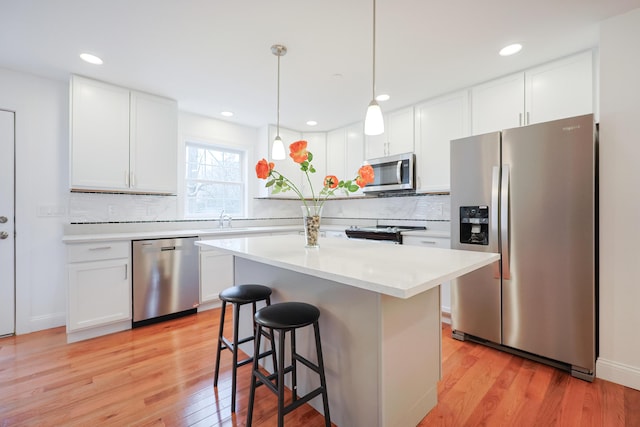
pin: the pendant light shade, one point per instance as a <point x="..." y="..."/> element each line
<point x="373" y="121"/>
<point x="277" y="148"/>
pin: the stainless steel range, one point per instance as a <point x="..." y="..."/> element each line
<point x="382" y="233"/>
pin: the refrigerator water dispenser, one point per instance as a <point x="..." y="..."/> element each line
<point x="474" y="225"/>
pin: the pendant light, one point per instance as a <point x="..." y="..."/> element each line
<point x="277" y="148"/>
<point x="373" y="121"/>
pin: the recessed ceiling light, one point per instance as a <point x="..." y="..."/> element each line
<point x="227" y="113"/>
<point x="91" y="59"/>
<point x="511" y="49"/>
<point x="312" y="123"/>
<point x="382" y="97"/>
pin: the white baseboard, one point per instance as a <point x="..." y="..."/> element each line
<point x="445" y="315"/>
<point x="53" y="320"/>
<point x="618" y="373"/>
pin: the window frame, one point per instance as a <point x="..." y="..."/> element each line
<point x="215" y="146"/>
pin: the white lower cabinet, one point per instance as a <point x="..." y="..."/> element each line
<point x="434" y="242"/>
<point x="216" y="274"/>
<point x="99" y="287"/>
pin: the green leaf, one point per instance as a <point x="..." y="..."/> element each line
<point x="353" y="188"/>
<point x="309" y="156"/>
<point x="270" y="183"/>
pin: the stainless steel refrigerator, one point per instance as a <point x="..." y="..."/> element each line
<point x="530" y="194"/>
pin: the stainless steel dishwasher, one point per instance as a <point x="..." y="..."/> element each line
<point x="166" y="279"/>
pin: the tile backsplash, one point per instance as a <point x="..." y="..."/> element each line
<point x="101" y="207"/>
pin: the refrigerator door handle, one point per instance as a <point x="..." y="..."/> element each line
<point x="495" y="191"/>
<point x="504" y="222"/>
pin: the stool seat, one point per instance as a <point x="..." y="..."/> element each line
<point x="244" y="294"/>
<point x="287" y="315"/>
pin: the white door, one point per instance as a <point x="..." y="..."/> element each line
<point x="7" y="241"/>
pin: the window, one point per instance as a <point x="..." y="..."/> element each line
<point x="215" y="181"/>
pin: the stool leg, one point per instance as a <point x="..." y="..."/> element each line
<point x="281" y="378"/>
<point x="273" y="345"/>
<point x="323" y="381"/>
<point x="236" y="322"/>
<point x="294" y="369"/>
<point x="219" y="347"/>
<point x="252" y="389"/>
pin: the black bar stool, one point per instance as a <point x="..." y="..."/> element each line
<point x="287" y="317"/>
<point x="238" y="296"/>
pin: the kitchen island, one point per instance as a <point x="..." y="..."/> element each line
<point x="380" y="317"/>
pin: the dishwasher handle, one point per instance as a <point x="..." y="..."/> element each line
<point x="168" y="248"/>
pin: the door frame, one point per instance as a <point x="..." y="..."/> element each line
<point x="10" y="327"/>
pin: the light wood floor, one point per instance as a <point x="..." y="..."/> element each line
<point x="162" y="375"/>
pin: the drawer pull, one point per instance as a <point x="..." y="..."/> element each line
<point x="100" y="248"/>
<point x="431" y="242"/>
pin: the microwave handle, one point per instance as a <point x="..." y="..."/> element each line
<point x="399" y="172"/>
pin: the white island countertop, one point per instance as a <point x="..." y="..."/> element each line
<point x="394" y="270"/>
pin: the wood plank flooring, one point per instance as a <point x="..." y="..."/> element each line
<point x="162" y="375"/>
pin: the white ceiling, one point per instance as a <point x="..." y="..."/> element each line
<point x="214" y="55"/>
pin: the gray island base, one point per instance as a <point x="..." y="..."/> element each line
<point x="379" y="322"/>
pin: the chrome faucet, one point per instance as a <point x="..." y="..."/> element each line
<point x="221" y="219"/>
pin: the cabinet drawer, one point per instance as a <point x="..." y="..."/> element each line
<point x="433" y="242"/>
<point x="81" y="252"/>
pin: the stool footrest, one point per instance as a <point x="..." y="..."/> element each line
<point x="309" y="364"/>
<point x="302" y="400"/>
<point x="267" y="379"/>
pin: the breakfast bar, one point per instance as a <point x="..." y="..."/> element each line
<point x="380" y="317"/>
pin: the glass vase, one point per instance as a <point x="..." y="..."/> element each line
<point x="311" y="220"/>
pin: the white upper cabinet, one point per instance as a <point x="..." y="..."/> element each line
<point x="438" y="122"/>
<point x="354" y="150"/>
<point x="398" y="136"/>
<point x="122" y="140"/>
<point x="153" y="140"/>
<point x="552" y="91"/>
<point x="99" y="136"/>
<point x="345" y="152"/>
<point x="317" y="145"/>
<point x="560" y="89"/>
<point x="497" y="104"/>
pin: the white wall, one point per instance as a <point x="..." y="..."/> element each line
<point x="42" y="123"/>
<point x="619" y="359"/>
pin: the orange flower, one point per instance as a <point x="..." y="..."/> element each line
<point x="299" y="151"/>
<point x="365" y="176"/>
<point x="331" y="181"/>
<point x="263" y="169"/>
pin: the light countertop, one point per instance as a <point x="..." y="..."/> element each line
<point x="396" y="270"/>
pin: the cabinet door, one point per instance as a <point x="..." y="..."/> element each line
<point x="317" y="144"/>
<point x="99" y="293"/>
<point x="400" y="134"/>
<point x="99" y="152"/>
<point x="154" y="144"/>
<point x="560" y="89"/>
<point x="437" y="123"/>
<point x="498" y="104"/>
<point x="216" y="274"/>
<point x="336" y="153"/>
<point x="354" y="152"/>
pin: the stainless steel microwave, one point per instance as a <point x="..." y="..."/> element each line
<point x="393" y="173"/>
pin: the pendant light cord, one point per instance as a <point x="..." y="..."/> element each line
<point x="278" y="109"/>
<point x="373" y="83"/>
